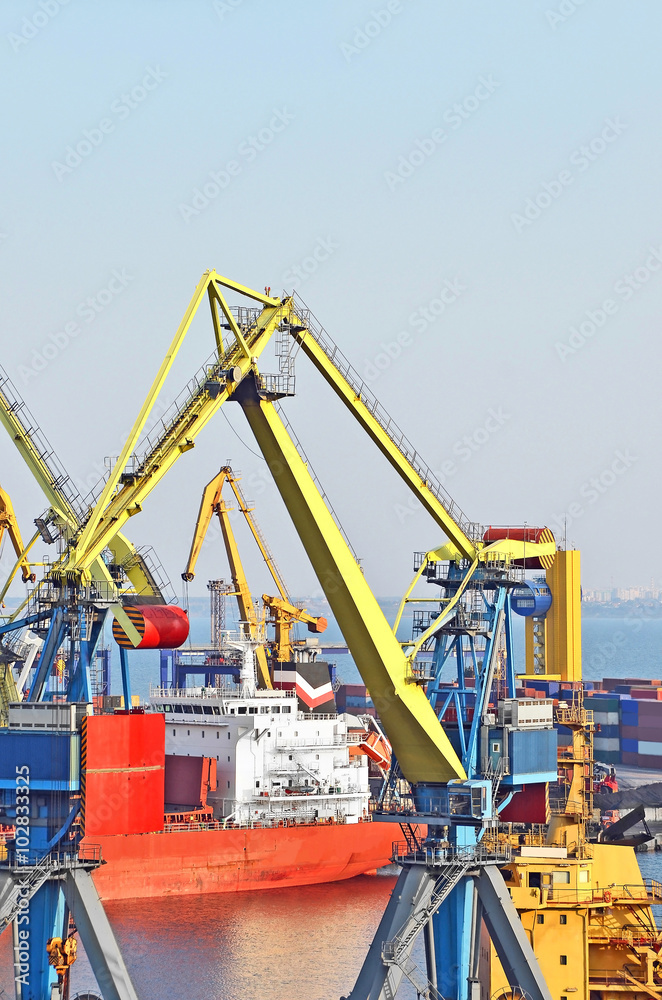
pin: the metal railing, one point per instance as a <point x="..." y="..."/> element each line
<point x="18" y="412"/>
<point x="648" y="892"/>
<point x="436" y="855"/>
<point x="231" y="692"/>
<point x="397" y="437"/>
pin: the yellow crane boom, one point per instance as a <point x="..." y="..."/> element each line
<point x="210" y="504"/>
<point x="9" y="524"/>
<point x="423" y="750"/>
<point x="282" y="613"/>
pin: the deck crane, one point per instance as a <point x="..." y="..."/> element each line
<point x="281" y="612"/>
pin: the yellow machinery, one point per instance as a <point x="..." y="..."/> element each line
<point x="553" y="641"/>
<point x="282" y="614"/>
<point x="9" y="524"/>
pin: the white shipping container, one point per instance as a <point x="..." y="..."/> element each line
<point x="606" y="718"/>
<point x="614" y="744"/>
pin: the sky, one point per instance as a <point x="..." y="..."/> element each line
<point x="465" y="194"/>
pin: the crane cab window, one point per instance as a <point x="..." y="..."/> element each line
<point x="535" y="880"/>
<point x="561" y="878"/>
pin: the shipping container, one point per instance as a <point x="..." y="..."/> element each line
<point x="52" y="758"/>
<point x="606" y="745"/>
<point x="649" y="763"/>
<point x="122" y="779"/>
<point x="604" y="718"/>
<point x="608" y="732"/>
<point x="647" y="733"/>
<point x="610" y="757"/>
<point x="532" y="752"/>
<point x="629" y="746"/>
<point x="646" y="694"/>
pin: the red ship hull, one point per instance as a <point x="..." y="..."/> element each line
<point x="235" y="860"/>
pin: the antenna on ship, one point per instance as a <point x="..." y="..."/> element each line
<point x="247" y="647"/>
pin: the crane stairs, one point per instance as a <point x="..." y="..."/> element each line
<point x="397" y="950"/>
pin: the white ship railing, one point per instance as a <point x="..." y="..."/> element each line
<point x="224" y="691"/>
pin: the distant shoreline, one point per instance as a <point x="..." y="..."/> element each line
<point x="622" y="609"/>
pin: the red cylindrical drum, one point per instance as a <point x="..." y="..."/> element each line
<point x="162" y="626"/>
<point x="523" y="534"/>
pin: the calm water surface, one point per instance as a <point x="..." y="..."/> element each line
<point x="303" y="943"/>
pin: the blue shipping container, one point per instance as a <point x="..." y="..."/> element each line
<point x="52" y="759"/>
<point x="629" y="746"/>
<point x="532" y="752"/>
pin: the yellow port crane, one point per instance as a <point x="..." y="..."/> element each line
<point x="419" y="741"/>
<point x="280" y="611"/>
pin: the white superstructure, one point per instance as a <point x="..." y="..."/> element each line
<point x="273" y="762"/>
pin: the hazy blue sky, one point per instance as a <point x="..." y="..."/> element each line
<point x="465" y="183"/>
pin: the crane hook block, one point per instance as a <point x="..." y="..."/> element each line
<point x="161" y="626"/>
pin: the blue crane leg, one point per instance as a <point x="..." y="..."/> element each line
<point x="452" y="941"/>
<point x="46" y="916"/>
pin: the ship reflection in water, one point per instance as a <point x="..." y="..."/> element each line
<point x="302" y="943"/>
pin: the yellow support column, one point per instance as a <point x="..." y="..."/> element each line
<point x="564" y="618"/>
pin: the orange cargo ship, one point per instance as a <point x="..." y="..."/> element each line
<point x="185" y="861"/>
<point x="223" y="790"/>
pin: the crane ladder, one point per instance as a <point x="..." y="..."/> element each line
<point x="16" y="891"/>
<point x="397" y="949"/>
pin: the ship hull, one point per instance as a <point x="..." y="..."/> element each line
<point x="192" y="861"/>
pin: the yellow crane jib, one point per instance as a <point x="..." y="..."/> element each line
<point x="9" y="524"/>
<point x="126" y="490"/>
<point x="423" y="750"/>
<point x="283" y="616"/>
<point x="210" y="504"/>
